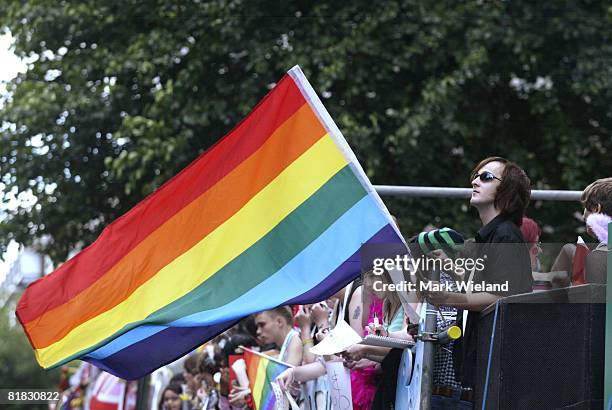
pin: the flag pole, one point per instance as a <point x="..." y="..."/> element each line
<point x="265" y="356"/>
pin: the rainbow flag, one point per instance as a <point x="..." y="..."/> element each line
<point x="261" y="370"/>
<point x="273" y="214"/>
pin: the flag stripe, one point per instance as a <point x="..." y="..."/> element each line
<point x="121" y="236"/>
<point x="344" y="233"/>
<point x="346" y="272"/>
<point x="258" y="382"/>
<point x="176" y="340"/>
<point x="165" y="244"/>
<point x="261" y="371"/>
<point x="136" y="361"/>
<point x="255" y="265"/>
<point x="267" y="396"/>
<point x="206" y="248"/>
<point x="274" y="369"/>
<point x="255" y="220"/>
<point x="252" y="365"/>
<point x="256" y="259"/>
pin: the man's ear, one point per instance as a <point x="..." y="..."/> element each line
<point x="598" y="208"/>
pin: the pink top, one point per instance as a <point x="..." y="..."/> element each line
<point x="363" y="381"/>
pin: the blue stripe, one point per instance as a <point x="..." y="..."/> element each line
<point x="345" y="236"/>
<point x="157" y="350"/>
<point x="272" y="371"/>
<point x="140" y="333"/>
<point x="143" y="357"/>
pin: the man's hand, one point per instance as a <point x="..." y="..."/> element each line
<point x="285" y="379"/>
<point x="438" y="254"/>
<point x="354" y="353"/>
<point x="413" y="329"/>
<point x="238" y="396"/>
<point x="438" y="298"/>
<point x="302" y="317"/>
<point x="360" y="364"/>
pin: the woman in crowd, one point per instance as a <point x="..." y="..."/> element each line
<point x="347" y="306"/>
<point x="171" y="398"/>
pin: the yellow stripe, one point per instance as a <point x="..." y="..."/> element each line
<point x="259" y="216"/>
<point x="259" y="381"/>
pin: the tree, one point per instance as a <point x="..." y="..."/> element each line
<point x="18" y="367"/>
<point x="119" y="96"/>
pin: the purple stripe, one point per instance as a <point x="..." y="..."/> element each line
<point x="164" y="347"/>
<point x="270" y="401"/>
<point x="272" y="371"/>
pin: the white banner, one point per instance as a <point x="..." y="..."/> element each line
<point x="339" y="384"/>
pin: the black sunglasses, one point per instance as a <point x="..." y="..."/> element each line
<point x="486" y="176"/>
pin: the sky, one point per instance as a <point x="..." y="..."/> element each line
<point x="10" y="65"/>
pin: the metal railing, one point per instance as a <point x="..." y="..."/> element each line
<point x="459" y="193"/>
<point x="446" y="192"/>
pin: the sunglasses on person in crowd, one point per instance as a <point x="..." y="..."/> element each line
<point x="486" y="176"/>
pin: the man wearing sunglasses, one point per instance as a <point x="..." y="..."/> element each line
<point x="500" y="194"/>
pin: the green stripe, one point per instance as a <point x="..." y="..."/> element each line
<point x="447" y="238"/>
<point x="266" y="389"/>
<point x="431" y="235"/>
<point x="266" y="256"/>
<point x="422" y="244"/>
<point x="448" y="246"/>
<point x="454" y="247"/>
<point x="273" y="251"/>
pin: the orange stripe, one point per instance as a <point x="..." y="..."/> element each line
<point x="127" y="231"/>
<point x="252" y="365"/>
<point x="183" y="230"/>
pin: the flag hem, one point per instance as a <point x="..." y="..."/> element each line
<point x="317" y="106"/>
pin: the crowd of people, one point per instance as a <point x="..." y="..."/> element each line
<point x="211" y="379"/>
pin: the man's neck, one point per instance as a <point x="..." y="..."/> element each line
<point x="487" y="214"/>
<point x="282" y="335"/>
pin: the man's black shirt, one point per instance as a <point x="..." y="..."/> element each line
<point x="506" y="256"/>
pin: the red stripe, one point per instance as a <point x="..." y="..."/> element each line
<point x="121" y="236"/>
<point x="184" y="230"/>
<point x="252" y="363"/>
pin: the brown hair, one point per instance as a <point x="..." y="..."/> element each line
<point x="514" y="191"/>
<point x="173" y="386"/>
<point x="191" y="363"/>
<point x="598" y="193"/>
<point x="282" y="311"/>
<point x="207" y="365"/>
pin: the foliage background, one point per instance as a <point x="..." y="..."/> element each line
<point x="18" y="367"/>
<point x="120" y="95"/>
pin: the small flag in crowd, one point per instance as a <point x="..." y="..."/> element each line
<point x="579" y="263"/>
<point x="111" y="393"/>
<point x="262" y="370"/>
<point x="273" y="214"/>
